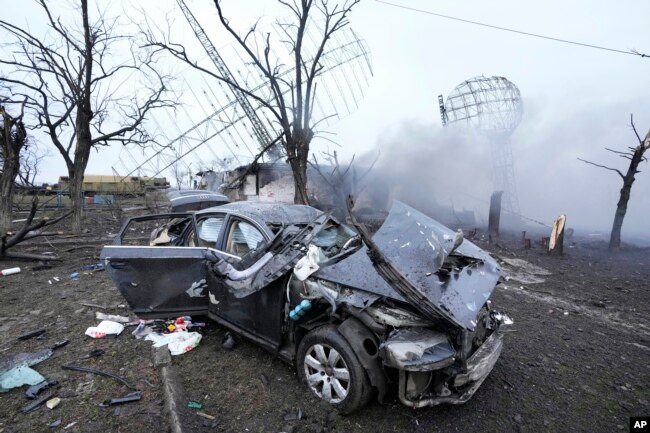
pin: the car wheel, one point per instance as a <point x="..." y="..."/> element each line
<point x="329" y="367"/>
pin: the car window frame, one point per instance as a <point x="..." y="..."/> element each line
<point x="205" y="215"/>
<point x="119" y="239"/>
<point x="233" y="217"/>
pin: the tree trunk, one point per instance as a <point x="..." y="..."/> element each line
<point x="82" y="125"/>
<point x="81" y="155"/>
<point x="76" y="196"/>
<point x="13" y="139"/>
<point x="628" y="180"/>
<point x="621" y="209"/>
<point x="299" y="169"/>
<point x="494" y="216"/>
<point x="299" y="164"/>
<point x="10" y="167"/>
<point x="556" y="240"/>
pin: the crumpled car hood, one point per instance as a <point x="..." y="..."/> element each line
<point x="418" y="247"/>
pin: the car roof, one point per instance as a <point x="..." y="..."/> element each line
<point x="273" y="213"/>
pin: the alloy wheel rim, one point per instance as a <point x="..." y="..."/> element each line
<point x="327" y="373"/>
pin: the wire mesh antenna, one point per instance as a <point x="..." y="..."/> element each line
<point x="218" y="126"/>
<point x="259" y="129"/>
<point x="492" y="107"/>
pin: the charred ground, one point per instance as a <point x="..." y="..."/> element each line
<point x="575" y="359"/>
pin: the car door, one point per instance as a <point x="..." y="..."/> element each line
<point x="164" y="274"/>
<point x="259" y="314"/>
<point x="253" y="302"/>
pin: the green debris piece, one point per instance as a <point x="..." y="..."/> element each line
<point x="194" y="405"/>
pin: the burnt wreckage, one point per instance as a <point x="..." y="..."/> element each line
<point x="408" y="306"/>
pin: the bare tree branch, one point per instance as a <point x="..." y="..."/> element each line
<point x="602" y="166"/>
<point x="71" y="84"/>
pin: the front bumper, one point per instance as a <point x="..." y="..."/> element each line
<point x="465" y="384"/>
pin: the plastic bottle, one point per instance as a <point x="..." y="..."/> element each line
<point x="9" y="271"/>
<point x="300" y="310"/>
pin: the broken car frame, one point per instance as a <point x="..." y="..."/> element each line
<point x="408" y="306"/>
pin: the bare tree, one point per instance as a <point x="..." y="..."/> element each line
<point x="19" y="165"/>
<point x="76" y="88"/>
<point x="180" y="175"/>
<point x="636" y="156"/>
<point x="30" y="165"/>
<point x="291" y="88"/>
<point x="13" y="139"/>
<point x="341" y="182"/>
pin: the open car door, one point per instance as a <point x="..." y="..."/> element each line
<point x="157" y="268"/>
<point x="246" y="287"/>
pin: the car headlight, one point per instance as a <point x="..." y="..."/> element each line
<point x="417" y="349"/>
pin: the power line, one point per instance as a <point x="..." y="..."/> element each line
<point x="505" y="29"/>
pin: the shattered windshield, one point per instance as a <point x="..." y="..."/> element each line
<point x="335" y="239"/>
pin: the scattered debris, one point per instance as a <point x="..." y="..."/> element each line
<point x="293" y="416"/>
<point x="74" y="276"/>
<point x="106" y="327"/>
<point x="55" y="424"/>
<point x="112" y="317"/>
<point x="91" y="305"/>
<point x="28" y="359"/>
<point x="206" y="416"/>
<point x="18" y="377"/>
<point x="52" y="403"/>
<point x="15" y="371"/>
<point x="228" y="342"/>
<point x="130" y="397"/>
<point x="177" y="342"/>
<point x="142" y="330"/>
<point x="194" y="405"/>
<point x="94" y="353"/>
<point x="60" y="344"/>
<point x="9" y="271"/>
<point x="37" y="403"/>
<point x="31" y="334"/>
<point x="98" y="372"/>
<point x="34" y="390"/>
<point x="70" y="425"/>
<point x="183" y="323"/>
<point x="93" y="268"/>
<point x="262" y="377"/>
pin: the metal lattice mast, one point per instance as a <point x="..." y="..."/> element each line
<point x="261" y="133"/>
<point x="504" y="173"/>
<point x="443" y="111"/>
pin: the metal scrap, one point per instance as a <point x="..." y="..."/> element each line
<point x="31" y="334"/>
<point x="100" y="373"/>
<point x="130" y="397"/>
<point x="38" y="402"/>
<point x="34" y="390"/>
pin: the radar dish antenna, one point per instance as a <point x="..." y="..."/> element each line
<point x="492" y="107"/>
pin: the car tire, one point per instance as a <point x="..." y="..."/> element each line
<point x="327" y="364"/>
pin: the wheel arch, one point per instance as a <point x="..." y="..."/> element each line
<point x="365" y="345"/>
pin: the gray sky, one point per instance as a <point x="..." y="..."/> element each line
<point x="576" y="100"/>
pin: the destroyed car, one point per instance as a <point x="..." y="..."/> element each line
<point x="405" y="310"/>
